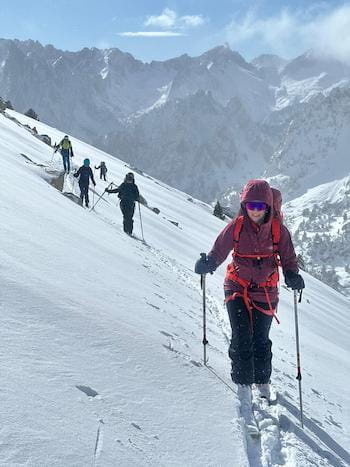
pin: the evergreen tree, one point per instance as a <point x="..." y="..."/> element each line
<point x="32" y="114"/>
<point x="9" y="105"/>
<point x="218" y="211"/>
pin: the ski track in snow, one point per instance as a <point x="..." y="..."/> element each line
<point x="279" y="443"/>
<point x="282" y="441"/>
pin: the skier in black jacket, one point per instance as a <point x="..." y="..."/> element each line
<point x="103" y="170"/>
<point x="128" y="194"/>
<point x="85" y="173"/>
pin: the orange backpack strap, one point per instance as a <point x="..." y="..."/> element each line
<point x="232" y="275"/>
<point x="237" y="230"/>
<point x="276" y="233"/>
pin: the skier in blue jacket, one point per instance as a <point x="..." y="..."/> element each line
<point x="85" y="174"/>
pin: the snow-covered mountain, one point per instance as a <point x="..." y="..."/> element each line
<point x="202" y="124"/>
<point x="215" y="111"/>
<point x="88" y="91"/>
<point x="320" y="223"/>
<point x="308" y="75"/>
<point x="101" y="340"/>
<point x="314" y="148"/>
<point x="196" y="144"/>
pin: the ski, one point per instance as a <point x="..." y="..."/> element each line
<point x="244" y="394"/>
<point x="265" y="401"/>
<point x="265" y="412"/>
<point x="252" y="428"/>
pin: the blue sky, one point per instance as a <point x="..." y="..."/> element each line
<point x="158" y="30"/>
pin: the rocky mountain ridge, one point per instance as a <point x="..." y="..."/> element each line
<point x="202" y="124"/>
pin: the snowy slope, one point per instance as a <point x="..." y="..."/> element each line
<point x="321" y="231"/>
<point x="101" y="334"/>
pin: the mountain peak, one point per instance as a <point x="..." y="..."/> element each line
<point x="224" y="53"/>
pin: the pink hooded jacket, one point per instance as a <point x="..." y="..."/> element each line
<point x="253" y="240"/>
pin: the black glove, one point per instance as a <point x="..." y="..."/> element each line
<point x="294" y="280"/>
<point x="106" y="190"/>
<point x="205" y="264"/>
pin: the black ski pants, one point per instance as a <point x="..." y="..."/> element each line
<point x="128" y="209"/>
<point x="103" y="176"/>
<point x="84" y="194"/>
<point x="250" y="347"/>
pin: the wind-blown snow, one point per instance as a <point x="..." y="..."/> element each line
<point x="101" y="333"/>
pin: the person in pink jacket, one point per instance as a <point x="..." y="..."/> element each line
<point x="260" y="243"/>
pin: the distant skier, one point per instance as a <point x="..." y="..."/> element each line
<point x="128" y="194"/>
<point x="66" y="150"/>
<point x="85" y="174"/>
<point x="257" y="239"/>
<point x="103" y="171"/>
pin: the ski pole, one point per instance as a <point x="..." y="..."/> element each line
<point x="74" y="183"/>
<point x="204" y="341"/>
<point x="298" y="355"/>
<point x="53" y="155"/>
<point x="93" y="196"/>
<point x="101" y="196"/>
<point x="93" y="193"/>
<point x="143" y="238"/>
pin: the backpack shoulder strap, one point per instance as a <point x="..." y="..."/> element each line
<point x="275" y="228"/>
<point x="237" y="230"/>
<point x="276" y="233"/>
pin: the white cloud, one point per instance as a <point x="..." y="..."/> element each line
<point x="150" y="34"/>
<point x="169" y="19"/>
<point x="192" y="21"/>
<point x="291" y="32"/>
<point x="166" y="19"/>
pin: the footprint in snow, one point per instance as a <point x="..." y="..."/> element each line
<point x="87" y="390"/>
<point x="136" y="426"/>
<point x="159" y="296"/>
<point x="153" y="306"/>
<point x="316" y="421"/>
<point x="331" y="420"/>
<point x="166" y="334"/>
<point x="198" y="364"/>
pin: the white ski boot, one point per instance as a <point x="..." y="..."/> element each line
<point x="263" y="391"/>
<point x="244" y="393"/>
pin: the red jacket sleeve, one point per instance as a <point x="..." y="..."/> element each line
<point x="286" y="250"/>
<point x="223" y="244"/>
